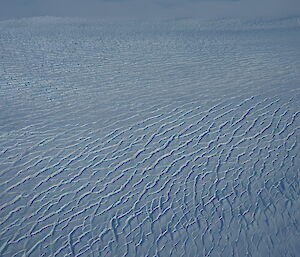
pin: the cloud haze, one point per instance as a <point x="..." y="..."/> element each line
<point x="149" y="8"/>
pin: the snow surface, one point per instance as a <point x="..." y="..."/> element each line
<point x="178" y="138"/>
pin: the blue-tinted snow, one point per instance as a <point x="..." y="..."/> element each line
<point x="178" y="138"/>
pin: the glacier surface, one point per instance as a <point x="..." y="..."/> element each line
<point x="178" y="138"/>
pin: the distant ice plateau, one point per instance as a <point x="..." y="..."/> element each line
<point x="174" y="138"/>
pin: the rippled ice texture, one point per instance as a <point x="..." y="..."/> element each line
<point x="178" y="138"/>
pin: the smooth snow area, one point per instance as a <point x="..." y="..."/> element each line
<point x="178" y="138"/>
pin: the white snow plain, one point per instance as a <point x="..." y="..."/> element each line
<point x="178" y="138"/>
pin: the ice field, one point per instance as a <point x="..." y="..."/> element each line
<point x="175" y="138"/>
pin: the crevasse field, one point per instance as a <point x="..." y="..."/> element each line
<point x="175" y="138"/>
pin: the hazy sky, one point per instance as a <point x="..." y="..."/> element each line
<point x="149" y="8"/>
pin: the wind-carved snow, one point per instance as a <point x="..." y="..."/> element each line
<point x="149" y="139"/>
